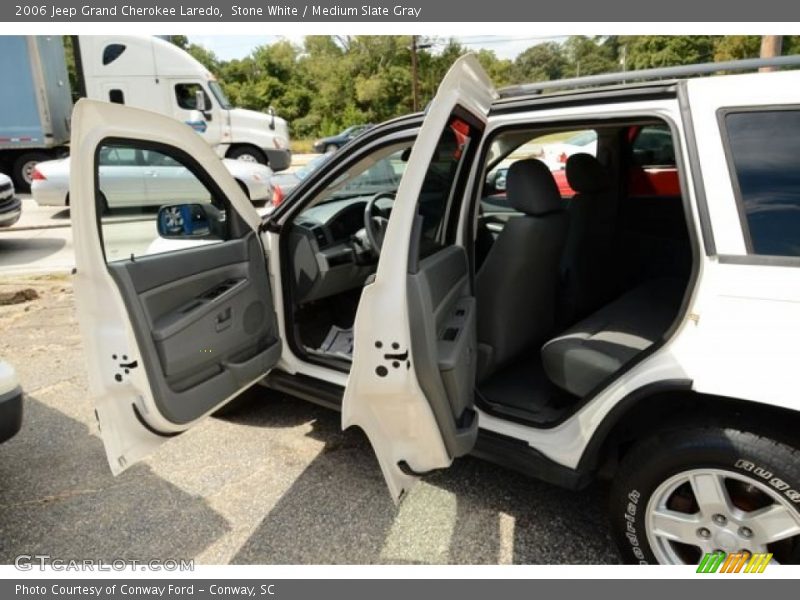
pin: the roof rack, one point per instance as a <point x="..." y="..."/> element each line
<point x="679" y="72"/>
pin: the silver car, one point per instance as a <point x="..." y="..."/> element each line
<point x="137" y="177"/>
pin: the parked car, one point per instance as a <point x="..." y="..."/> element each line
<point x="10" y="204"/>
<point x="334" y="142"/>
<point x="557" y="153"/>
<point x="10" y="402"/>
<point x="283" y="183"/>
<point x="128" y="178"/>
<point x="648" y="340"/>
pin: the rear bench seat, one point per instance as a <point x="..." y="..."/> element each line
<point x="594" y="348"/>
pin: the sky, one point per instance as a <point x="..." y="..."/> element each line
<point x="228" y="47"/>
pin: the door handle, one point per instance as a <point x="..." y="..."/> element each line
<point x="150" y="174"/>
<point x="224" y="320"/>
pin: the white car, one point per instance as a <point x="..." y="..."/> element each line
<point x="642" y="336"/>
<point x="10" y="402"/>
<point x="10" y="204"/>
<point x="145" y="177"/>
<point x="556" y="154"/>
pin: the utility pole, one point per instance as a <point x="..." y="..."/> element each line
<point x="415" y="47"/>
<point x="771" y="46"/>
<point x="414" y="75"/>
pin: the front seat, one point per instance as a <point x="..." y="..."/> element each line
<point x="517" y="284"/>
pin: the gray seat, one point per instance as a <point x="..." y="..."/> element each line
<point x="588" y="262"/>
<point x="590" y="351"/>
<point x="517" y="284"/>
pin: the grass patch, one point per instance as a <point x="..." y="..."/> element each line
<point x="302" y="146"/>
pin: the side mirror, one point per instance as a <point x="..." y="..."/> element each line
<point x="500" y="183"/>
<point x="271" y="113"/>
<point x="202" y="105"/>
<point x="190" y="222"/>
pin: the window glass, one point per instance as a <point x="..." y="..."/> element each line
<point x="112" y="52"/>
<point x="143" y="192"/>
<point x="554" y="149"/>
<point x="116" y="96"/>
<point x="653" y="171"/>
<point x="653" y="146"/>
<point x="186" y="96"/>
<point x="379" y="172"/>
<point x="440" y="181"/>
<point x="765" y="150"/>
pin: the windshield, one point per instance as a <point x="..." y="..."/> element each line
<point x="219" y="94"/>
<point x="312" y="166"/>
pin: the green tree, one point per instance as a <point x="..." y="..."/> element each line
<point x="650" y="51"/>
<point x="589" y="56"/>
<point x="541" y="62"/>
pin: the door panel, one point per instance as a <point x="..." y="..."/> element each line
<point x="173" y="328"/>
<point x="410" y="385"/>
<point x="444" y="343"/>
<point x="207" y="333"/>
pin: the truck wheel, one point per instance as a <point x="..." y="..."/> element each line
<point x="683" y="494"/>
<point x="247" y="154"/>
<point x="23" y="169"/>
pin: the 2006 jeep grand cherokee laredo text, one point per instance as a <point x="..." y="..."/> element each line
<point x="641" y="331"/>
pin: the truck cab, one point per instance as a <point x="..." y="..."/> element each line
<point x="150" y="73"/>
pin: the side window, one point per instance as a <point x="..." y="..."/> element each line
<point x="653" y="171"/>
<point x="116" y="96"/>
<point x="112" y="52"/>
<point x="553" y="149"/>
<point x="186" y="96"/>
<point x="764" y="149"/>
<point x="439" y="186"/>
<point x="151" y="202"/>
<point x="652" y="146"/>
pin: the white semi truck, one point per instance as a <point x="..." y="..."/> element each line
<point x="141" y="71"/>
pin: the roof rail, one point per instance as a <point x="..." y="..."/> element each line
<point x="678" y="72"/>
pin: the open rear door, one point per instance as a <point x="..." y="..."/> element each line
<point x="174" y="303"/>
<point x="411" y="383"/>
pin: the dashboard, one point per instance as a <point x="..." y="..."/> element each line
<point x="328" y="250"/>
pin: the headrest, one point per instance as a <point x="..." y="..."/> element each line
<point x="586" y="174"/>
<point x="531" y="189"/>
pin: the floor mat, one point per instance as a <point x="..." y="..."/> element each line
<point x="338" y="341"/>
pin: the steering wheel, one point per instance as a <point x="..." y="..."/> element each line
<point x="374" y="224"/>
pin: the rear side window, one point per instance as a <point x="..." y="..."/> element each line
<point x="764" y="149"/>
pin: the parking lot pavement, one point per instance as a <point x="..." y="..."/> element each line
<point x="277" y="482"/>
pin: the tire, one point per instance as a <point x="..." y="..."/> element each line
<point x="658" y="480"/>
<point x="331" y="148"/>
<point x="23" y="169"/>
<point x="248" y="154"/>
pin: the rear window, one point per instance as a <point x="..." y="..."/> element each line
<point x="764" y="149"/>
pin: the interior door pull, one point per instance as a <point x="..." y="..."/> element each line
<point x="224" y="319"/>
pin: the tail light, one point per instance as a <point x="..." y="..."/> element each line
<point x="277" y="196"/>
<point x="37" y="175"/>
<point x="562" y="158"/>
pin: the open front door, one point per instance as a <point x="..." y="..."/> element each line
<point x="411" y="383"/>
<point x="172" y="290"/>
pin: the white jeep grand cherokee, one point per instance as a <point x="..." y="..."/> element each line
<point x="635" y="316"/>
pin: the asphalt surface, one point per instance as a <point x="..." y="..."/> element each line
<point x="275" y="483"/>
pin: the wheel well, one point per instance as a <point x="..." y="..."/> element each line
<point x="253" y="148"/>
<point x="672" y="409"/>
